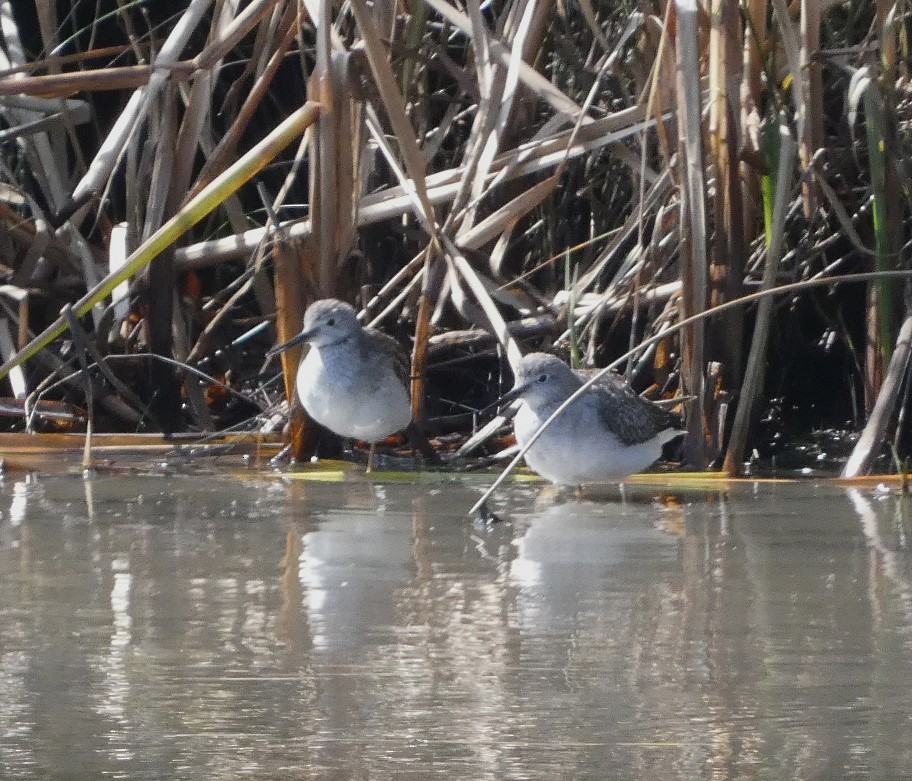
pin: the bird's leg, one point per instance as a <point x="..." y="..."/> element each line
<point x="370" y="458"/>
<point x="418" y="441"/>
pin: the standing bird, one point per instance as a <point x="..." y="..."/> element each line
<point x="604" y="436"/>
<point x="353" y="380"/>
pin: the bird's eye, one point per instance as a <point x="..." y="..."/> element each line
<point x="331" y="322"/>
<point x="542" y="377"/>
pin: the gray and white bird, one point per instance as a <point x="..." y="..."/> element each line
<point x="607" y="434"/>
<point x="353" y="380"/>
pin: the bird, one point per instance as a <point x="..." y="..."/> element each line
<point x="353" y="380"/>
<point x="604" y="436"/>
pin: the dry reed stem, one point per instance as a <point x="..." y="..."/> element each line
<point x="113" y="146"/>
<point x="225" y="150"/>
<point x="756" y="361"/>
<point x="394" y="105"/>
<point x="509" y="108"/>
<point x="524" y="160"/>
<point x="694" y="263"/>
<point x="241" y="172"/>
<point x="872" y="437"/>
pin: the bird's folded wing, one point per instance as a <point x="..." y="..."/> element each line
<point x="384" y="344"/>
<point x="629" y="417"/>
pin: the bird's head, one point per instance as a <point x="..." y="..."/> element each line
<point x="326" y="322"/>
<point x="542" y="380"/>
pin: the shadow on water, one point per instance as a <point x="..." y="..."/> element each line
<point x="188" y="627"/>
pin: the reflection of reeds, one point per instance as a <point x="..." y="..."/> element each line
<point x="443" y="156"/>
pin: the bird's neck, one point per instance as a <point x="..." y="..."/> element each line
<point x="341" y="345"/>
<point x="546" y="407"/>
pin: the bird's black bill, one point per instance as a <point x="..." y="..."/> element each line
<point x="294" y="342"/>
<point x="507" y="398"/>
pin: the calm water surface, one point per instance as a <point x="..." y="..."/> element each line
<point x="194" y="627"/>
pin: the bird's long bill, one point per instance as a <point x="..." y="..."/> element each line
<point x="506" y="399"/>
<point x="293" y="342"/>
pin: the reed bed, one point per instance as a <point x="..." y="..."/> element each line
<point x="179" y="181"/>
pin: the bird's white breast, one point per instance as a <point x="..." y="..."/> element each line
<point x="337" y="394"/>
<point x="576" y="449"/>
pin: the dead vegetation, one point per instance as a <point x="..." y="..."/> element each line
<point x="179" y="180"/>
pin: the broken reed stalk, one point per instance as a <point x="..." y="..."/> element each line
<point x="792" y="287"/>
<point x="289" y="321"/>
<point x="868" y="446"/>
<point x="196" y="209"/>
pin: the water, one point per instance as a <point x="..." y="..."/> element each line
<point x="221" y="628"/>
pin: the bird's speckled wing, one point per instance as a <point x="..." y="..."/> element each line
<point x="384" y="344"/>
<point x="629" y="417"/>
